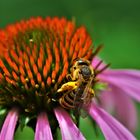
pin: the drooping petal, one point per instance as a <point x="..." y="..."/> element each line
<point x="110" y="127"/>
<point x="68" y="128"/>
<point x="122" y="106"/>
<point x="126" y="80"/>
<point x="43" y="131"/>
<point x="8" y="128"/>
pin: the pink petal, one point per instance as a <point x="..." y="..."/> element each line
<point x="96" y="61"/>
<point x="128" y="81"/>
<point x="106" y="100"/>
<point x="68" y="129"/>
<point x="110" y="127"/>
<point x="8" y="128"/>
<point x="43" y="131"/>
<point x="122" y="105"/>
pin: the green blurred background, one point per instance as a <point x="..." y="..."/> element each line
<point x="116" y="24"/>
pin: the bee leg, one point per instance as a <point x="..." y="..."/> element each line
<point x="91" y="91"/>
<point x="68" y="86"/>
<point x="69" y="77"/>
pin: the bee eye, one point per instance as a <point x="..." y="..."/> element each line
<point x="86" y="72"/>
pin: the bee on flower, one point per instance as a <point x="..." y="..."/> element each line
<point x="42" y="85"/>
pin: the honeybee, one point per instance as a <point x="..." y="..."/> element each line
<point x="77" y="92"/>
<point x="81" y="67"/>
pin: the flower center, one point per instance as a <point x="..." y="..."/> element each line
<point x="35" y="59"/>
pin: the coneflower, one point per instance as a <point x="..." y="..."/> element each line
<point x="35" y="57"/>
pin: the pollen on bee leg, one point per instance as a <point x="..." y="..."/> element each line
<point x="68" y="86"/>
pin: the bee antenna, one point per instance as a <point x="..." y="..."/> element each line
<point x="99" y="63"/>
<point x="101" y="70"/>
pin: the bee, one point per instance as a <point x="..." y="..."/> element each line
<point x="81" y="67"/>
<point x="77" y="92"/>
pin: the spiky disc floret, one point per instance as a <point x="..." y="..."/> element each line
<point x="35" y="56"/>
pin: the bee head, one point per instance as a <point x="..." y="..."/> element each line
<point x="86" y="72"/>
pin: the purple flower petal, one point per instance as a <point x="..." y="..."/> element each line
<point x="110" y="127"/>
<point x="96" y="61"/>
<point x="68" y="129"/>
<point x="8" y="128"/>
<point x="43" y="131"/>
<point x="123" y="107"/>
<point x="128" y="81"/>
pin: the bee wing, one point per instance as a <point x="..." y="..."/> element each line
<point x="86" y="98"/>
<point x="87" y="90"/>
<point x="79" y="109"/>
<point x="78" y="101"/>
<point x="83" y="113"/>
<point x="82" y="99"/>
<point x="78" y="90"/>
